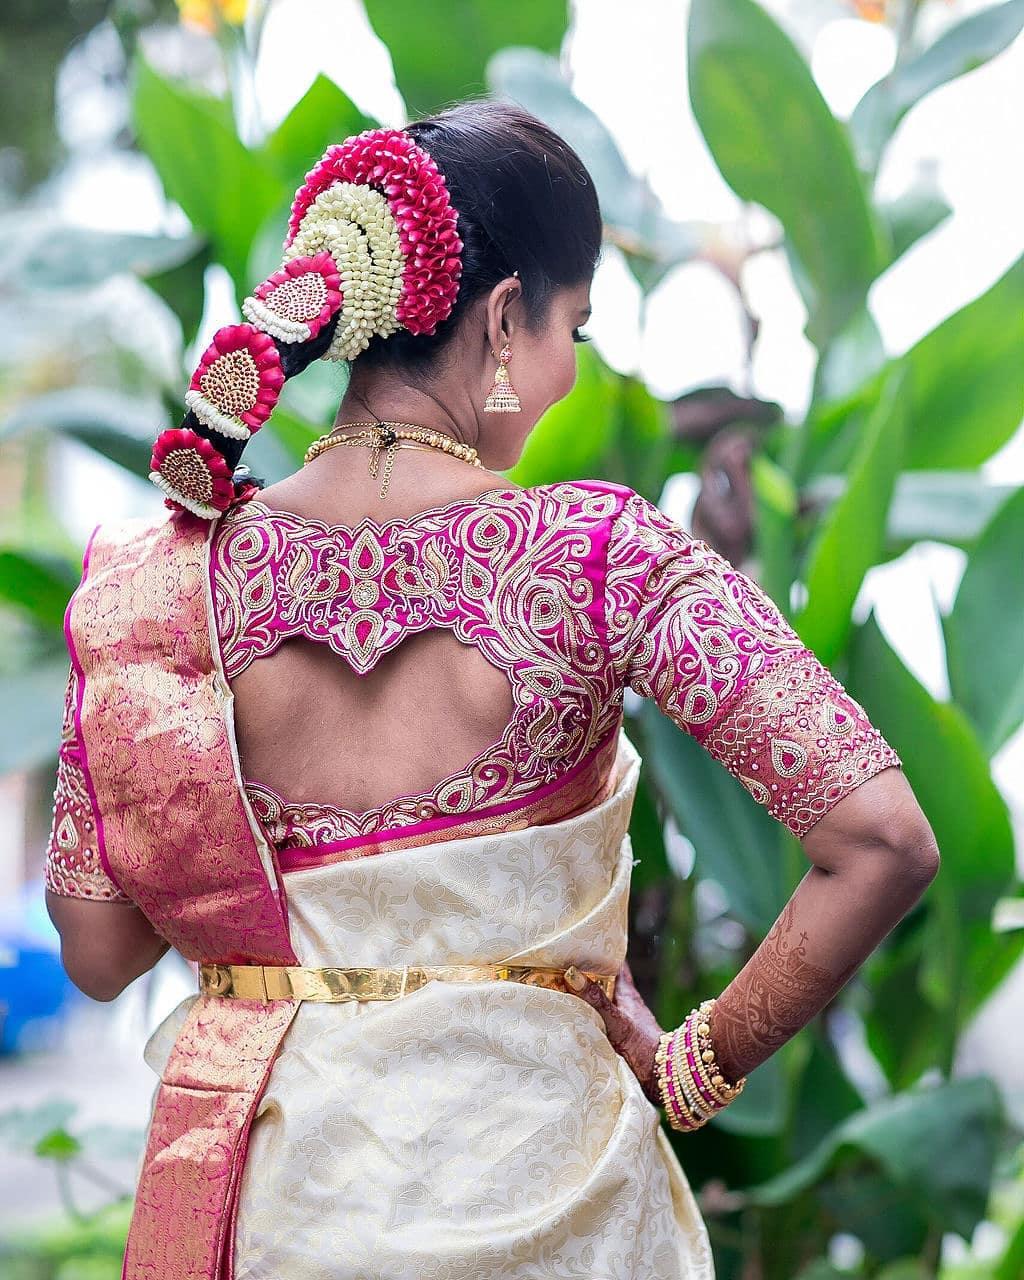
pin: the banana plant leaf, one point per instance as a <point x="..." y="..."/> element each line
<point x="984" y="631"/>
<point x="468" y="32"/>
<point x="777" y="143"/>
<point x="962" y="48"/>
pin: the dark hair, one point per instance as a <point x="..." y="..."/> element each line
<point x="525" y="203"/>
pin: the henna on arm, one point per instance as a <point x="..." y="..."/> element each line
<point x="829" y="927"/>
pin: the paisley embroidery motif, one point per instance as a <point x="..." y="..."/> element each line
<point x="574" y="590"/>
<point x="514" y="572"/>
<point x="706" y="642"/>
<point x="73" y="867"/>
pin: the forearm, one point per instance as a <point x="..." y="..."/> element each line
<point x="831" y="924"/>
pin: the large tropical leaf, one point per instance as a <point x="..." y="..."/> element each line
<point x="635" y="221"/>
<point x="984" y="631"/>
<point x="966" y="390"/>
<point x="960" y="958"/>
<point x="37" y="585"/>
<point x="226" y="191"/>
<point x="936" y="1145"/>
<point x="776" y="142"/>
<point x="737" y="843"/>
<point x="415" y="31"/>
<point x="571" y="438"/>
<point x="78" y="257"/>
<point x="963" y="47"/>
<point x="119" y="427"/>
<point x="323" y="115"/>
<point x="851" y="538"/>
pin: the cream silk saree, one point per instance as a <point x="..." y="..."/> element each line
<point x="466" y="1129"/>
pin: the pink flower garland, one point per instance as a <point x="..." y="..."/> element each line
<point x="390" y="161"/>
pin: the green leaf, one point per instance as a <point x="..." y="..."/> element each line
<point x="469" y="33"/>
<point x="78" y="257"/>
<point x="58" y="1144"/>
<point x="635" y="219"/>
<point x="571" y="438"/>
<point x="737" y="842"/>
<point x="119" y="427"/>
<point x="851" y="537"/>
<point x="293" y="433"/>
<point x="937" y="1145"/>
<point x="323" y="115"/>
<point x="777" y="143"/>
<point x="33" y="702"/>
<point x="37" y="585"/>
<point x="984" y="632"/>
<point x="966" y="390"/>
<point x="970" y="822"/>
<point x="960" y="49"/>
<point x="225" y="190"/>
<point x="22" y="1127"/>
<point x="761" y="1108"/>
<point x="912" y="216"/>
<point x="182" y="288"/>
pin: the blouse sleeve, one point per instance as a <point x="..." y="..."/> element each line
<point x="73" y="868"/>
<point x="711" y="648"/>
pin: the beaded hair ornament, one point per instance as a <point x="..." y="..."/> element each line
<point x="372" y="241"/>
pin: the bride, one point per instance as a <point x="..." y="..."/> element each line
<point x="352" y="743"/>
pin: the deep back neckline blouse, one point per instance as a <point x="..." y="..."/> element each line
<point x="574" y="590"/>
<point x="577" y="590"/>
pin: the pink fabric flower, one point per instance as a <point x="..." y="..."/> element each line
<point x="305" y="291"/>
<point x="191" y="473"/>
<point x="390" y="161"/>
<point x="236" y="384"/>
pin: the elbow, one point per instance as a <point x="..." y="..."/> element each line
<point x="100" y="986"/>
<point x="908" y="855"/>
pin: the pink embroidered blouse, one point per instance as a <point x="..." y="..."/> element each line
<point x="576" y="591"/>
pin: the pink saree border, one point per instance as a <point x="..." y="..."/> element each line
<point x="579" y="787"/>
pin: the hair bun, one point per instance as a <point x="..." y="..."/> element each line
<point x="372" y="247"/>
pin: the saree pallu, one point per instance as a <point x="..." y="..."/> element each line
<point x="466" y="1130"/>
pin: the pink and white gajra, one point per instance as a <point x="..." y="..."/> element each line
<point x="237" y="382"/>
<point x="191" y="473"/>
<point x="295" y="303"/>
<point x="389" y="161"/>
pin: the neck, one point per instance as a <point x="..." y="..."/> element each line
<point x="400" y="404"/>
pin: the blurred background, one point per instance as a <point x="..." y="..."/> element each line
<point x="808" y="346"/>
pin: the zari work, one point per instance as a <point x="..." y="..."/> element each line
<point x="576" y="591"/>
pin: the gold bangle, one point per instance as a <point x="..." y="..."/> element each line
<point x="677" y="1109"/>
<point x="718" y="1085"/>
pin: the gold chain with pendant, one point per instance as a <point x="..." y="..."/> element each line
<point x="384" y="438"/>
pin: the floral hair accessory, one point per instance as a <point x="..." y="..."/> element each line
<point x="296" y="302"/>
<point x="417" y="279"/>
<point x="236" y="383"/>
<point x="371" y="247"/>
<point x="191" y="472"/>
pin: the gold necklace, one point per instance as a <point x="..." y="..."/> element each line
<point x="384" y="437"/>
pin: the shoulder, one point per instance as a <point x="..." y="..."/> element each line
<point x="121" y="544"/>
<point x="591" y="500"/>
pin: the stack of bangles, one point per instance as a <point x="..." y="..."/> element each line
<point x="690" y="1081"/>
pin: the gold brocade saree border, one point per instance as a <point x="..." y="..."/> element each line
<point x="177" y="835"/>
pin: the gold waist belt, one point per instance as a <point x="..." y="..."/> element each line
<point x="293" y="982"/>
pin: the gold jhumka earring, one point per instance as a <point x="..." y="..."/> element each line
<point x="502" y="397"/>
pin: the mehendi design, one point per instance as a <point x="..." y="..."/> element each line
<point x="773" y="997"/>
